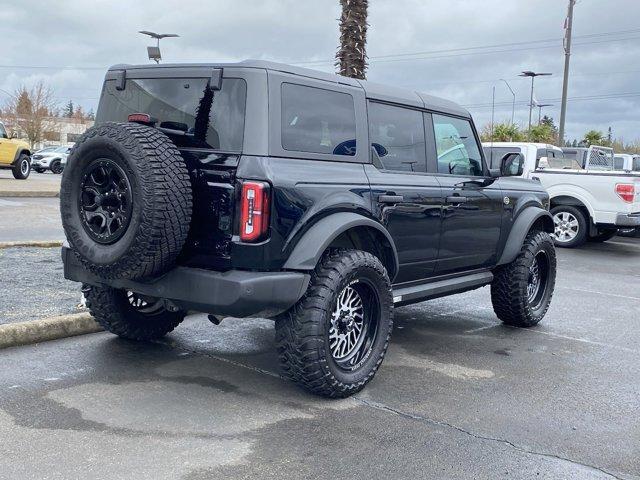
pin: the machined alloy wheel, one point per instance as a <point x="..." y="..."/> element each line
<point x="353" y="327"/>
<point x="566" y="227"/>
<point x="144" y="304"/>
<point x="24" y="166"/>
<point x="105" y="201"/>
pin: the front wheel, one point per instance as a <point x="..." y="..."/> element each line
<point x="22" y="168"/>
<point x="521" y="291"/>
<point x="56" y="167"/>
<point x="334" y="339"/>
<point x="130" y="315"/>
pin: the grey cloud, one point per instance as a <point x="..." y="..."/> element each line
<point x="100" y="33"/>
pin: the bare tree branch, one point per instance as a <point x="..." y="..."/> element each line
<point x="29" y="109"/>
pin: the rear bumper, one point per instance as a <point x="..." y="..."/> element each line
<point x="233" y="293"/>
<point x="628" y="220"/>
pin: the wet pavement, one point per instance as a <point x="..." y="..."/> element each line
<point x="458" y="396"/>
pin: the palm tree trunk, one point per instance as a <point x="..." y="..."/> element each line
<point x="351" y="58"/>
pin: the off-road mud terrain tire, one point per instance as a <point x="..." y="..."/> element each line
<point x="114" y="312"/>
<point x="302" y="333"/>
<point x="509" y="289"/>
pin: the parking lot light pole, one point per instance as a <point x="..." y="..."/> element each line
<point x="533" y="75"/>
<point x="513" y="105"/>
<point x="154" y="52"/>
<point x="540" y="105"/>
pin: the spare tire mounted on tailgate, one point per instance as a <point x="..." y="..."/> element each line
<point x="126" y="201"/>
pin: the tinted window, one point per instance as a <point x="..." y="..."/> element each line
<point x="636" y="164"/>
<point x="458" y="152"/>
<point x="397" y="135"/>
<point x="197" y="116"/>
<point x="3" y="132"/>
<point x="315" y="120"/>
<point x="618" y="163"/>
<point x="494" y="155"/>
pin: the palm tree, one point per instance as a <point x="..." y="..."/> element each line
<point x="351" y="58"/>
<point x="593" y="137"/>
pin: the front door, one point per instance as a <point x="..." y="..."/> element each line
<point x="473" y="203"/>
<point x="7" y="148"/>
<point x="406" y="199"/>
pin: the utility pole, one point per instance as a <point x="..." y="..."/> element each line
<point x="568" y="24"/>
<point x="533" y="75"/>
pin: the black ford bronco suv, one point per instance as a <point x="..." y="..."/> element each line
<point x="258" y="189"/>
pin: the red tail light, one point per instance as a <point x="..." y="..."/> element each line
<point x="143" y="118"/>
<point x="626" y="191"/>
<point x="254" y="211"/>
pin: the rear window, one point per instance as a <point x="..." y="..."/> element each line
<point x="618" y="163"/>
<point x="315" y="120"/>
<point x="636" y="164"/>
<point x="186" y="109"/>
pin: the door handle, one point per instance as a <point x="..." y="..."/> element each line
<point x="390" y="198"/>
<point x="457" y="199"/>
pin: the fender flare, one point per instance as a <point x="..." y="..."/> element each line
<point x="314" y="242"/>
<point x="521" y="227"/>
<point x="19" y="152"/>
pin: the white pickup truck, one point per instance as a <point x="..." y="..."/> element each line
<point x="587" y="204"/>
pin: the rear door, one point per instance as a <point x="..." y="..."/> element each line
<point x="473" y="203"/>
<point x="406" y="199"/>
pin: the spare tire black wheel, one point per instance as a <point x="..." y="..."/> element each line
<point x="126" y="201"/>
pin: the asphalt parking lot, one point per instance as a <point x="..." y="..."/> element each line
<point x="458" y="396"/>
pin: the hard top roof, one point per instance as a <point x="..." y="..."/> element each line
<point x="372" y="90"/>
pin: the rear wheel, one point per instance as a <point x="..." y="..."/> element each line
<point x="570" y="226"/>
<point x="604" y="234"/>
<point x="335" y="338"/>
<point x="56" y="167"/>
<point x="521" y="291"/>
<point x="130" y="315"/>
<point x="22" y="167"/>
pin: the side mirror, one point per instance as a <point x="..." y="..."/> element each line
<point x="13" y="135"/>
<point x="512" y="165"/>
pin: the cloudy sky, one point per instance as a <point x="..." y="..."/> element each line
<point x="457" y="49"/>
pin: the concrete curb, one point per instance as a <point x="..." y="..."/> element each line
<point x="35" y="331"/>
<point x="34" y="193"/>
<point x="32" y="243"/>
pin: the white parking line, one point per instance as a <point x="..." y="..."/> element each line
<point x="583" y="340"/>
<point x="584" y="290"/>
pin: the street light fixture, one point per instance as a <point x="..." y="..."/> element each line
<point x="533" y="75"/>
<point x="513" y="105"/>
<point x="540" y="105"/>
<point x="154" y="52"/>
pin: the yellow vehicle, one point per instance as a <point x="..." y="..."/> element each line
<point x="14" y="154"/>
